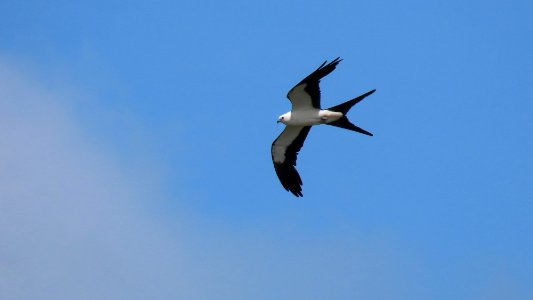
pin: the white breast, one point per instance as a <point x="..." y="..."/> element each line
<point x="306" y="117"/>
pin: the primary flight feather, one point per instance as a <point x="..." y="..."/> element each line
<point x="306" y="112"/>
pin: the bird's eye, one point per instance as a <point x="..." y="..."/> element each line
<point x="282" y="118"/>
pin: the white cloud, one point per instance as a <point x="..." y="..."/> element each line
<point x="72" y="226"/>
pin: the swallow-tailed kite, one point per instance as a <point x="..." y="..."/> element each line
<point x="306" y="112"/>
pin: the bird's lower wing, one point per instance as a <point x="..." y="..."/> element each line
<point x="284" y="153"/>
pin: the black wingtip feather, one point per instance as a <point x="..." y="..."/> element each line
<point x="324" y="69"/>
<point x="289" y="178"/>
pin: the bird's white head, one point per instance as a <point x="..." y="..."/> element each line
<point x="285" y="118"/>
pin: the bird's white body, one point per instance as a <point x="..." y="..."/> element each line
<point x="309" y="117"/>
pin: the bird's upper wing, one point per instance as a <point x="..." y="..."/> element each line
<point x="306" y="94"/>
<point x="284" y="151"/>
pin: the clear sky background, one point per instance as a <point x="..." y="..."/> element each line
<point x="135" y="150"/>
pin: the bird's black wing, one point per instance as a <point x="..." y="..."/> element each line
<point x="306" y="94"/>
<point x="284" y="153"/>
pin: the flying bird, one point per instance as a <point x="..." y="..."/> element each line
<point x="306" y="112"/>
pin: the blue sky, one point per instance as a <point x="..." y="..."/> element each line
<point x="135" y="145"/>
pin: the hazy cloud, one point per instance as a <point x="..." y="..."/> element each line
<point x="70" y="224"/>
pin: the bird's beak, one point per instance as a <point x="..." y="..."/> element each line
<point x="278" y="121"/>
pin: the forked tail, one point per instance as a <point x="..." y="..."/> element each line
<point x="344" y="108"/>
